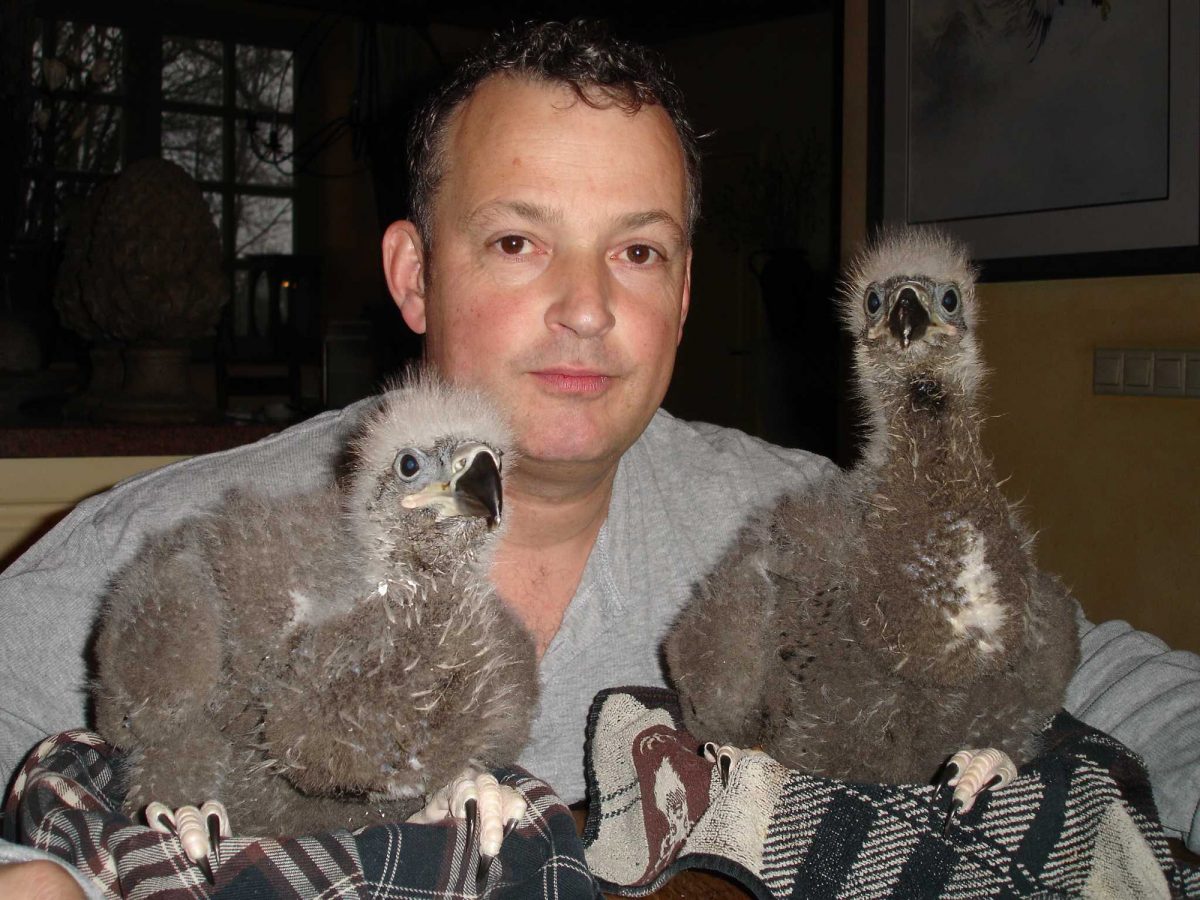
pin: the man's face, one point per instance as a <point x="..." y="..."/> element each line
<point x="559" y="268"/>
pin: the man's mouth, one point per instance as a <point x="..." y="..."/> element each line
<point x="573" y="381"/>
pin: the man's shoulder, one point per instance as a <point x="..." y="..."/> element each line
<point x="296" y="458"/>
<point x="50" y="595"/>
<point x="299" y="458"/>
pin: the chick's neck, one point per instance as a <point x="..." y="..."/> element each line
<point x="928" y="423"/>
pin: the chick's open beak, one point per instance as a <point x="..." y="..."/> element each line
<point x="909" y="315"/>
<point x="475" y="486"/>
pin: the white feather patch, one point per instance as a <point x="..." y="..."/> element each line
<point x="301" y="606"/>
<point x="977" y="613"/>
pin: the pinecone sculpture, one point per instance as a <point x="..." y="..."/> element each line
<point x="142" y="266"/>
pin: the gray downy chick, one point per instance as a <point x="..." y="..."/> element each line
<point x="872" y="627"/>
<point x="327" y="659"/>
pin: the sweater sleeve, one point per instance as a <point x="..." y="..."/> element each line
<point x="1134" y="687"/>
<point x="48" y="600"/>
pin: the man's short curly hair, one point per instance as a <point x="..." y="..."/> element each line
<point x="602" y="70"/>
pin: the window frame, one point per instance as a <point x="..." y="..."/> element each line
<point x="44" y="174"/>
<point x="143" y="106"/>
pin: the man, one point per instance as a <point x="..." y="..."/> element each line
<point x="556" y="185"/>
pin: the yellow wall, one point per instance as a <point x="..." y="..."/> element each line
<point x="36" y="493"/>
<point x="1111" y="483"/>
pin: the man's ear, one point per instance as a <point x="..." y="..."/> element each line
<point x="686" y="300"/>
<point x="404" y="269"/>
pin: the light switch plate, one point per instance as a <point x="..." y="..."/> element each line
<point x="1145" y="372"/>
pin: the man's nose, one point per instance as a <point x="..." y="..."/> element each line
<point x="582" y="295"/>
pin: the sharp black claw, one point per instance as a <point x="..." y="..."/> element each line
<point x="948" y="772"/>
<point x="214" y="837"/>
<point x="207" y="870"/>
<point x="469" y="809"/>
<point x="724" y="763"/>
<point x="166" y="823"/>
<point x="954" y="808"/>
<point x="510" y="826"/>
<point x="481" y="873"/>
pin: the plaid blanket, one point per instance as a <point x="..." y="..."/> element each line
<point x="1079" y="821"/>
<point x="65" y="801"/>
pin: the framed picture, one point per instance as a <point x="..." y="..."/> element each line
<point x="1056" y="139"/>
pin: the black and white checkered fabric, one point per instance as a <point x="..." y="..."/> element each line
<point x="1079" y="821"/>
<point x="64" y="801"/>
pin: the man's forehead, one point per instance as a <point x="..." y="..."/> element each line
<point x="518" y="134"/>
<point x="560" y="94"/>
<point x="504" y="101"/>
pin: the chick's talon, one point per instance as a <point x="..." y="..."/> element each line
<point x="199" y="831"/>
<point x="724" y="757"/>
<point x="490" y="809"/>
<point x="970" y="773"/>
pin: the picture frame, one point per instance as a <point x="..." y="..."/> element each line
<point x="1050" y="158"/>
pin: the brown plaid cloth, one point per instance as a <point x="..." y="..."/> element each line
<point x="1080" y="820"/>
<point x="65" y="801"/>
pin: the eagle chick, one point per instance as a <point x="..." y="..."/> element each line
<point x="327" y="659"/>
<point x="870" y="628"/>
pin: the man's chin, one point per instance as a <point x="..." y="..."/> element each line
<point x="594" y="433"/>
<point x="571" y="445"/>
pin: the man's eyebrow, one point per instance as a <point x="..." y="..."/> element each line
<point x="652" y="217"/>
<point x="532" y="212"/>
<point x="541" y="214"/>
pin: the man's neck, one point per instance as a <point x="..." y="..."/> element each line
<point x="552" y="524"/>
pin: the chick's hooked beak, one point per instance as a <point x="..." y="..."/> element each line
<point x="909" y="314"/>
<point x="475" y="485"/>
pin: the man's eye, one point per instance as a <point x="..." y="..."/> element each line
<point x="513" y="245"/>
<point x="640" y="254"/>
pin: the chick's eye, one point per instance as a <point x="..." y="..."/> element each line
<point x="407" y="465"/>
<point x="874" y="302"/>
<point x="950" y="300"/>
<point x="640" y="254"/>
<point x="514" y="245"/>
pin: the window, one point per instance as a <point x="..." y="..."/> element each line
<point x="227" y="120"/>
<point x="224" y="112"/>
<point x="78" y="119"/>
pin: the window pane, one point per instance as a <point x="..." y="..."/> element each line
<point x="264" y="224"/>
<point x="194" y="142"/>
<point x="215" y="208"/>
<point x="53" y="205"/>
<point x="40" y="132"/>
<point x="78" y="57"/>
<point x="38" y="211"/>
<point x="263" y="78"/>
<point x="192" y="70"/>
<point x="263" y="157"/>
<point x="69" y="200"/>
<point x="241" y="303"/>
<point x="87" y="136"/>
